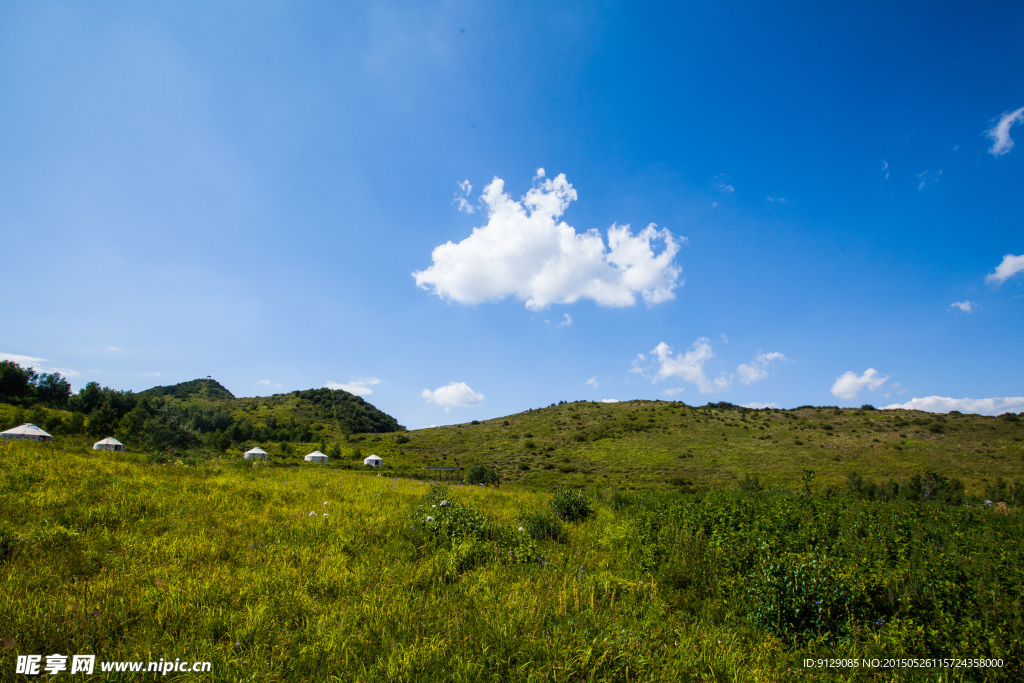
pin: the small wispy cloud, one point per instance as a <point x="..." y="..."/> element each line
<point x="268" y="384"/>
<point x="927" y="177"/>
<point x="723" y="183"/>
<point x="609" y="400"/>
<point x="461" y="200"/>
<point x="965" y="306"/>
<point x="1010" y="266"/>
<point x="453" y="395"/>
<point x="981" y="406"/>
<point x="1000" y="132"/>
<point x="760" y="367"/>
<point x="592" y="382"/>
<point x="849" y="384"/>
<point x="566" y="320"/>
<point x="885" y="169"/>
<point x="776" y="200"/>
<point x="673" y="391"/>
<point x="357" y="387"/>
<point x="38" y="364"/>
<point x="757" y="406"/>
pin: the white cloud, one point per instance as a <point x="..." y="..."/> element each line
<point x="114" y="349"/>
<point x="781" y="200"/>
<point x="566" y="321"/>
<point x="965" y="306"/>
<point x="155" y="373"/>
<point x="982" y="406"/>
<point x="454" y="395"/>
<point x="724" y="338"/>
<point x="885" y="169"/>
<point x="609" y="400"/>
<point x="926" y="177"/>
<point x="525" y="252"/>
<point x="358" y="387"/>
<point x="757" y="406"/>
<point x="673" y="391"/>
<point x="723" y="184"/>
<point x="39" y="365"/>
<point x="461" y="200"/>
<point x="592" y="382"/>
<point x="1010" y="266"/>
<point x="760" y="367"/>
<point x="1000" y="132"/>
<point x="849" y="384"/>
<point x="688" y="366"/>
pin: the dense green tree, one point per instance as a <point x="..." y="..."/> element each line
<point x="167" y="431"/>
<point x="53" y="390"/>
<point x="16" y="383"/>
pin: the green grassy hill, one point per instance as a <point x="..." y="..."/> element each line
<point x="658" y="444"/>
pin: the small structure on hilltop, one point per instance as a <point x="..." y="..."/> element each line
<point x="109" y="444"/>
<point x="373" y="460"/>
<point x="316" y="456"/>
<point x="256" y="452"/>
<point x="27" y="432"/>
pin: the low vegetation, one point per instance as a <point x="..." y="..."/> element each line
<point x="304" y="573"/>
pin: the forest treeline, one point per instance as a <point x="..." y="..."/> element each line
<point x="182" y="416"/>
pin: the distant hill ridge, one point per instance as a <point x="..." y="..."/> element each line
<point x="206" y="388"/>
<point x="322" y="410"/>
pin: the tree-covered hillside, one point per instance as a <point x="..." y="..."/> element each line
<point x="200" y="413"/>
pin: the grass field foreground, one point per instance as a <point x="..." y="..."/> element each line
<point x="308" y="574"/>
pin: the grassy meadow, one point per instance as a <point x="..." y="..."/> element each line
<point x="312" y="573"/>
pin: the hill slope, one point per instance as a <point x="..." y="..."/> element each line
<point x="661" y="444"/>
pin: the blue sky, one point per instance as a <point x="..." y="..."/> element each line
<point x="793" y="203"/>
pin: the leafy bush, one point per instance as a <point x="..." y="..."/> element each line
<point x="542" y="526"/>
<point x="479" y="474"/>
<point x="157" y="458"/>
<point x="571" y="505"/>
<point x="751" y="483"/>
<point x="444" y="519"/>
<point x="799" y="594"/>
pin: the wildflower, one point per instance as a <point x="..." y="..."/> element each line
<point x="880" y="622"/>
<point x="520" y="528"/>
<point x="429" y="518"/>
<point x="325" y="502"/>
<point x="311" y="513"/>
<point x="443" y="503"/>
<point x="325" y="514"/>
<point x="988" y="502"/>
<point x="433" y="506"/>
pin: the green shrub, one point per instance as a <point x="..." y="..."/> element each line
<point x="751" y="483"/>
<point x="571" y="505"/>
<point x="157" y="458"/>
<point x="444" y="519"/>
<point x="479" y="474"/>
<point x="799" y="594"/>
<point x="542" y="526"/>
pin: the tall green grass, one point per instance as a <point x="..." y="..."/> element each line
<point x="311" y="574"/>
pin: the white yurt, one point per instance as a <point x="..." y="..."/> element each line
<point x="373" y="460"/>
<point x="255" y="453"/>
<point x="28" y="432"/>
<point x="316" y="456"/>
<point x="109" y="444"/>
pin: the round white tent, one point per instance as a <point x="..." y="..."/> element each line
<point x="109" y="444"/>
<point x="373" y="460"/>
<point x="316" y="456"/>
<point x="28" y="432"/>
<point x="255" y="453"/>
